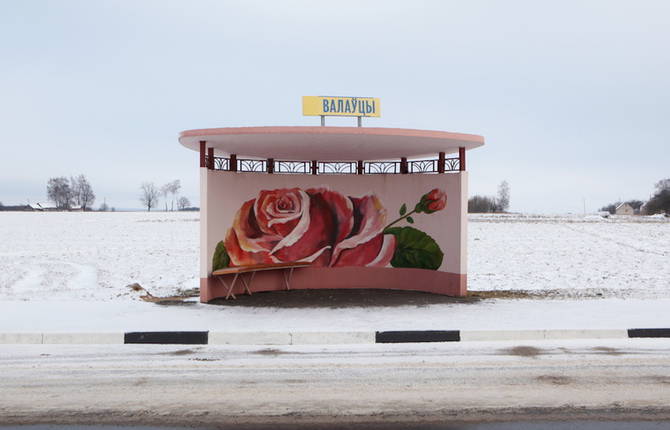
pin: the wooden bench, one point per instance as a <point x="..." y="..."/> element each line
<point x="239" y="271"/>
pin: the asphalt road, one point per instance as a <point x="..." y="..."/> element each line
<point x="417" y="383"/>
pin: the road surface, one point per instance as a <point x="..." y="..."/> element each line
<point x="451" y="382"/>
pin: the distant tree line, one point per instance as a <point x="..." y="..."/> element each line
<point x="77" y="193"/>
<point x="659" y="202"/>
<point x="150" y="195"/>
<point x="67" y="193"/>
<point x="491" y="204"/>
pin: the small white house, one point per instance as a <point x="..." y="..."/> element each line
<point x="624" y="209"/>
<point x="41" y="207"/>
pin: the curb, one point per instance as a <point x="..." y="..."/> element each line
<point x="321" y="338"/>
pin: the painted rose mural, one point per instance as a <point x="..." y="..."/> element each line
<point x="328" y="229"/>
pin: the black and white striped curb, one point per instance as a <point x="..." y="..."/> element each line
<point x="324" y="338"/>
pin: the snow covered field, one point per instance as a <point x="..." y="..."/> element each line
<point x="94" y="256"/>
<point x="65" y="271"/>
<point x="577" y="256"/>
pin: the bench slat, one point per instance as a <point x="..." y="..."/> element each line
<point x="260" y="267"/>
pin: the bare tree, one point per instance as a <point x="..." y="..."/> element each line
<point x="175" y="186"/>
<point x="503" y="196"/>
<point x="170" y="188"/>
<point x="164" y="191"/>
<point x="82" y="192"/>
<point x="482" y="204"/>
<point x="182" y="203"/>
<point x="663" y="184"/>
<point x="59" y="192"/>
<point x="660" y="201"/>
<point x="149" y="195"/>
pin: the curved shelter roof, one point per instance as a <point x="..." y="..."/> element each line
<point x="328" y="143"/>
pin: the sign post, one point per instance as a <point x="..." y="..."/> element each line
<point x="324" y="106"/>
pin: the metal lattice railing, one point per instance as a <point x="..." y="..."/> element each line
<point x="423" y="166"/>
<point x="452" y="164"/>
<point x="300" y="167"/>
<point x="244" y="165"/>
<point x="381" y="167"/>
<point x="221" y="163"/>
<point x="333" y="167"/>
<point x="337" y="167"/>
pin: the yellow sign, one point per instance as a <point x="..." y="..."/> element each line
<point x="341" y="106"/>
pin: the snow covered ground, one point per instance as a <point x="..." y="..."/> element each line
<point x="93" y="256"/>
<point x="70" y="271"/>
<point x="578" y="256"/>
<point x="90" y="316"/>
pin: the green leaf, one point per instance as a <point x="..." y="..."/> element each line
<point x="221" y="259"/>
<point x="410" y="220"/>
<point x="403" y="209"/>
<point x="415" y="249"/>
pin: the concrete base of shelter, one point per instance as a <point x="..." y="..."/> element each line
<point x="430" y="281"/>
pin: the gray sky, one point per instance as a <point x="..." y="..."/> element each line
<point x="573" y="97"/>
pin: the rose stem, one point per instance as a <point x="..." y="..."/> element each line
<point x="400" y="219"/>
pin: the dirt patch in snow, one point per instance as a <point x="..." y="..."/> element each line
<point x="509" y="294"/>
<point x="269" y="351"/>
<point x="608" y="350"/>
<point x="358" y="298"/>
<point x="554" y="379"/>
<point x="181" y="352"/>
<point x="522" y="351"/>
<point x="583" y="293"/>
<point x="182" y="298"/>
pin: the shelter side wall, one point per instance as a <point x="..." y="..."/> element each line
<point x="463" y="222"/>
<point x="205" y="259"/>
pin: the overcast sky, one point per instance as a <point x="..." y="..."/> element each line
<point x="572" y="97"/>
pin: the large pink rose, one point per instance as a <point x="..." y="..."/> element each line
<point x="316" y="225"/>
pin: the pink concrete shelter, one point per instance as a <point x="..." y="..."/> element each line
<point x="354" y="207"/>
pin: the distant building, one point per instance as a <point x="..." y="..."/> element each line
<point x="41" y="207"/>
<point x="624" y="209"/>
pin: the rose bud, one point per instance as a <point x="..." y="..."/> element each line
<point x="433" y="201"/>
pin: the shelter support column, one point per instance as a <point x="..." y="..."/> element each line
<point x="271" y="165"/>
<point x="441" y="163"/>
<point x="404" y="166"/>
<point x="461" y="159"/>
<point x="204" y="216"/>
<point x="203" y="146"/>
<point x="233" y="163"/>
<point x="210" y="158"/>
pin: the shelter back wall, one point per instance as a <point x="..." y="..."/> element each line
<point x="224" y="193"/>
